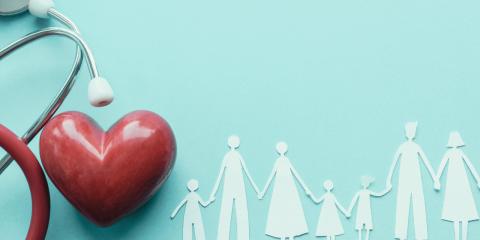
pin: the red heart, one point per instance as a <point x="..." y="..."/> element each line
<point x="107" y="175"/>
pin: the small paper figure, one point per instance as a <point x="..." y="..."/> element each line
<point x="286" y="218"/>
<point x="459" y="204"/>
<point x="232" y="170"/>
<point x="329" y="224"/>
<point x="192" y="217"/>
<point x="410" y="187"/>
<point x="364" y="208"/>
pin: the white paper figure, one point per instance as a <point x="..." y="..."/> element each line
<point x="192" y="217"/>
<point x="364" y="208"/>
<point x="459" y="204"/>
<point x="329" y="223"/>
<point x="234" y="195"/>
<point x="410" y="187"/>
<point x="286" y="218"/>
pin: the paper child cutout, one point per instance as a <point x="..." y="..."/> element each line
<point x="410" y="187"/>
<point x="364" y="209"/>
<point x="232" y="170"/>
<point x="329" y="223"/>
<point x="459" y="205"/>
<point x="192" y="217"/>
<point x="286" y="218"/>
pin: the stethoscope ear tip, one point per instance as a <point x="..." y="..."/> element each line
<point x="99" y="92"/>
<point x="40" y="8"/>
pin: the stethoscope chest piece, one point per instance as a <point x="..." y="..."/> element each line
<point x="11" y="7"/>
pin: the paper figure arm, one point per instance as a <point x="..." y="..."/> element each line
<point x="316" y="200"/>
<point x="269" y="181"/>
<point x="342" y="209"/>
<point x="472" y="169"/>
<point x="244" y="166"/>
<point x="353" y="202"/>
<point x="174" y="213"/>
<point x="378" y="194"/>
<point x="217" y="183"/>
<point x="302" y="183"/>
<point x="397" y="157"/>
<point x="424" y="158"/>
<point x="204" y="203"/>
<point x="442" y="166"/>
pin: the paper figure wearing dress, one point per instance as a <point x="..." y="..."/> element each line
<point x="459" y="204"/>
<point x="232" y="170"/>
<point x="364" y="209"/>
<point x="286" y="218"/>
<point x="193" y="217"/>
<point x="410" y="188"/>
<point x="329" y="223"/>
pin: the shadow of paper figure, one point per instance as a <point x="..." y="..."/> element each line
<point x="193" y="216"/>
<point x="329" y="223"/>
<point x="459" y="204"/>
<point x="286" y="218"/>
<point x="410" y="188"/>
<point x="232" y="170"/>
<point x="364" y="207"/>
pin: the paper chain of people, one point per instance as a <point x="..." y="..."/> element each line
<point x="286" y="218"/>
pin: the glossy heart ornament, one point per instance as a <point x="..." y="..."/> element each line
<point x="107" y="175"/>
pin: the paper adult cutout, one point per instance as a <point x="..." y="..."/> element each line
<point x="364" y="209"/>
<point x="192" y="217"/>
<point x="232" y="170"/>
<point x="329" y="224"/>
<point x="410" y="187"/>
<point x="286" y="218"/>
<point x="459" y="204"/>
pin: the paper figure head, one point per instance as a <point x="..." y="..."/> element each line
<point x="367" y="181"/>
<point x="411" y="130"/>
<point x="233" y="141"/>
<point x="282" y="148"/>
<point x="192" y="185"/>
<point x="328" y="185"/>
<point x="455" y="140"/>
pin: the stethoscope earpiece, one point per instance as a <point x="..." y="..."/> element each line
<point x="99" y="92"/>
<point x="40" y="8"/>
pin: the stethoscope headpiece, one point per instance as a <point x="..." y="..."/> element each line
<point x="40" y="8"/>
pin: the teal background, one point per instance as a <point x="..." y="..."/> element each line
<point x="336" y="80"/>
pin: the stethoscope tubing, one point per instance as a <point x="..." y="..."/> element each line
<point x="36" y="182"/>
<point x="55" y="104"/>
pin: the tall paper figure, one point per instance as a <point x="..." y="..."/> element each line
<point x="364" y="208"/>
<point x="286" y="218"/>
<point x="192" y="217"/>
<point x="459" y="204"/>
<point x="329" y="224"/>
<point x="234" y="195"/>
<point x="410" y="187"/>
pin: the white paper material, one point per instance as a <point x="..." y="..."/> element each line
<point x="286" y="218"/>
<point x="409" y="157"/>
<point x="232" y="170"/>
<point x="192" y="220"/>
<point x="459" y="204"/>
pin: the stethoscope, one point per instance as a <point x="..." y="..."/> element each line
<point x="99" y="94"/>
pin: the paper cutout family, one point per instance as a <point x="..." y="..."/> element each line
<point x="289" y="222"/>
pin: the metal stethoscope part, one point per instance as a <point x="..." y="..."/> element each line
<point x="99" y="91"/>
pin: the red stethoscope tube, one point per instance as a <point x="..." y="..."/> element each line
<point x="36" y="182"/>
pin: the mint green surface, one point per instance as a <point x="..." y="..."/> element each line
<point x="336" y="80"/>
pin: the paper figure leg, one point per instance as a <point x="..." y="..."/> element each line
<point x="243" y="231"/>
<point x="403" y="210"/>
<point x="199" y="231"/>
<point x="360" y="234"/>
<point x="464" y="229"/>
<point x="456" y="230"/>
<point x="368" y="235"/>
<point x="225" y="219"/>
<point x="187" y="231"/>
<point x="419" y="215"/>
